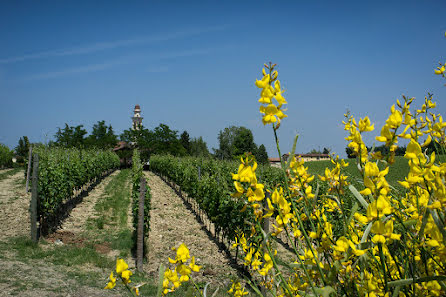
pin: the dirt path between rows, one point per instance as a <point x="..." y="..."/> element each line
<point x="14" y="207"/>
<point x="172" y="224"/>
<point x="38" y="277"/>
<point x="76" y="221"/>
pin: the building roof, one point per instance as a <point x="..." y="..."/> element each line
<point x="274" y="159"/>
<point x="137" y="106"/>
<point x="121" y="145"/>
<point x="308" y="155"/>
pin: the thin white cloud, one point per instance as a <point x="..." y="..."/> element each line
<point x="120" y="61"/>
<point x="101" y="46"/>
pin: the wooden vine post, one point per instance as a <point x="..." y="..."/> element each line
<point x="28" y="171"/>
<point x="34" y="201"/>
<point x="140" y="230"/>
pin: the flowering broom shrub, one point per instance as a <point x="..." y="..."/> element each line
<point x="392" y="243"/>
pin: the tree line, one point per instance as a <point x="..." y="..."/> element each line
<point x="233" y="142"/>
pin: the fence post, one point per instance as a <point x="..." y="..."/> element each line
<point x="28" y="171"/>
<point x="140" y="231"/>
<point x="34" y="199"/>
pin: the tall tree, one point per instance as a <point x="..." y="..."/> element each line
<point x="185" y="141"/>
<point x="102" y="136"/>
<point x="70" y="136"/>
<point x="235" y="141"/>
<point x="198" y="148"/>
<point x="161" y="140"/>
<point x="261" y="155"/>
<point x="225" y="141"/>
<point x="23" y="147"/>
<point x="166" y="141"/>
<point x="243" y="142"/>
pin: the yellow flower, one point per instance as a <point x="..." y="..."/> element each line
<point x="268" y="264"/>
<point x="256" y="263"/>
<point x="194" y="267"/>
<point x="378" y="208"/>
<point x="184" y="271"/>
<point x="264" y="82"/>
<point x="342" y="245"/>
<point x="395" y="119"/>
<point x="126" y="276"/>
<point x="386" y="136"/>
<point x="270" y="112"/>
<point x="170" y="276"/>
<point x="237" y="290"/>
<point x="413" y="150"/>
<point x="440" y="70"/>
<point x="112" y="283"/>
<point x="182" y="254"/>
<point x="382" y="231"/>
<point x="364" y="125"/>
<point x="121" y="266"/>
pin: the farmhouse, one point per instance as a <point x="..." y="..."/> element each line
<point x="306" y="157"/>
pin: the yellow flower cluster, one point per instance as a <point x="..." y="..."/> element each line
<point x="124" y="274"/>
<point x="390" y="243"/>
<point x="245" y="183"/>
<point x="355" y="135"/>
<point x="171" y="280"/>
<point x="272" y="112"/>
<point x="236" y="290"/>
<point x="374" y="241"/>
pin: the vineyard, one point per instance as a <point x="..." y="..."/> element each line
<point x="372" y="225"/>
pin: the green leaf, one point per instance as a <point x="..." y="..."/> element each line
<point x="366" y="232"/>
<point x="408" y="281"/>
<point x="353" y="211"/>
<point x="358" y="196"/>
<point x="159" y="291"/>
<point x="325" y="291"/>
<point x="438" y="222"/>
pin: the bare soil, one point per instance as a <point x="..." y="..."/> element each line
<point x="172" y="223"/>
<point x="35" y="277"/>
<point x="72" y="228"/>
<point x="14" y="207"/>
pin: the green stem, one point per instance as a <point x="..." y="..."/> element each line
<point x="196" y="287"/>
<point x="284" y="283"/>
<point x="128" y="287"/>
<point x="383" y="266"/>
<point x="307" y="239"/>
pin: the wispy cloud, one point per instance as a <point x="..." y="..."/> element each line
<point x="129" y="59"/>
<point x="101" y="46"/>
<point x="82" y="69"/>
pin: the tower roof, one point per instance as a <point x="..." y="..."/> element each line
<point x="137" y="106"/>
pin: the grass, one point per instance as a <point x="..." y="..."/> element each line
<point x="8" y="173"/>
<point x="116" y="200"/>
<point x="66" y="255"/>
<point x="110" y="225"/>
<point x="397" y="171"/>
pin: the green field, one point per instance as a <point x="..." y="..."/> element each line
<point x="398" y="171"/>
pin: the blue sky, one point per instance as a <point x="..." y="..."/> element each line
<point x="192" y="65"/>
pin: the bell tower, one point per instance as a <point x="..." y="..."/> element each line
<point x="136" y="119"/>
